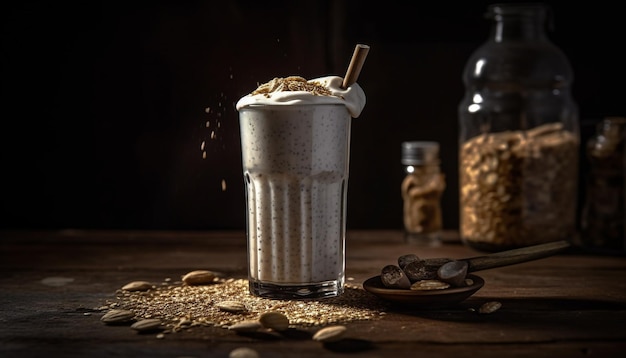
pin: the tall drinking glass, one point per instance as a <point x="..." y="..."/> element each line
<point x="295" y="166"/>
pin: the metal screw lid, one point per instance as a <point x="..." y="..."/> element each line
<point x="420" y="153"/>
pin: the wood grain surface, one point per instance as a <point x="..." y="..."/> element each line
<point x="572" y="304"/>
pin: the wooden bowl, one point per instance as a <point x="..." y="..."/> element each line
<point x="423" y="299"/>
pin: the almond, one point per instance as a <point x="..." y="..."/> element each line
<point x="246" y="326"/>
<point x="274" y="320"/>
<point x="243" y="352"/>
<point x="117" y="316"/>
<point x="330" y="334"/>
<point x="489" y="307"/>
<point x="231" y="306"/>
<point x="427" y="285"/>
<point x="145" y="325"/>
<point x="199" y="277"/>
<point x="137" y="286"/>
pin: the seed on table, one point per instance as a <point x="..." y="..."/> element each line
<point x="243" y="352"/>
<point x="427" y="285"/>
<point x="199" y="277"/>
<point x="330" y="334"/>
<point x="274" y="320"/>
<point x="116" y="316"/>
<point x="392" y="276"/>
<point x="137" y="286"/>
<point x="489" y="307"/>
<point x="147" y="325"/>
<point x="407" y="259"/>
<point x="231" y="306"/>
<point x="246" y="326"/>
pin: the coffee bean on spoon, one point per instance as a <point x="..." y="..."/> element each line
<point x="407" y="259"/>
<point x="453" y="272"/>
<point x="424" y="269"/>
<point x="392" y="276"/>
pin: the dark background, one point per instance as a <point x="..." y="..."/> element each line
<point x="104" y="102"/>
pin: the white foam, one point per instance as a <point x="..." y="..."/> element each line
<point x="352" y="97"/>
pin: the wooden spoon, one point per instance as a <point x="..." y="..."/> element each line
<point x="441" y="298"/>
<point x="515" y="256"/>
<point x="450" y="270"/>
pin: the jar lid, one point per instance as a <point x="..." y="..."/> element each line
<point x="419" y="152"/>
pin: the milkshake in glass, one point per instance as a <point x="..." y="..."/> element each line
<point x="295" y="141"/>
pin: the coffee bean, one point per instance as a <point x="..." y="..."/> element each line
<point x="407" y="259"/>
<point x="393" y="277"/>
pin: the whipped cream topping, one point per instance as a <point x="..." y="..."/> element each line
<point x="294" y="91"/>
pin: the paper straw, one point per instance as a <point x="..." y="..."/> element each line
<point x="356" y="63"/>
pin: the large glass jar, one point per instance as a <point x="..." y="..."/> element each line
<point x="519" y="136"/>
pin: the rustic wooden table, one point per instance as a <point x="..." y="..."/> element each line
<point x="54" y="284"/>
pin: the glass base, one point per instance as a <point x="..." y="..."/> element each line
<point x="323" y="289"/>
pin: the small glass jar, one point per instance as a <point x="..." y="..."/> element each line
<point x="421" y="190"/>
<point x="602" y="226"/>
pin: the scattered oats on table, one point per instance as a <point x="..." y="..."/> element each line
<point x="180" y="306"/>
